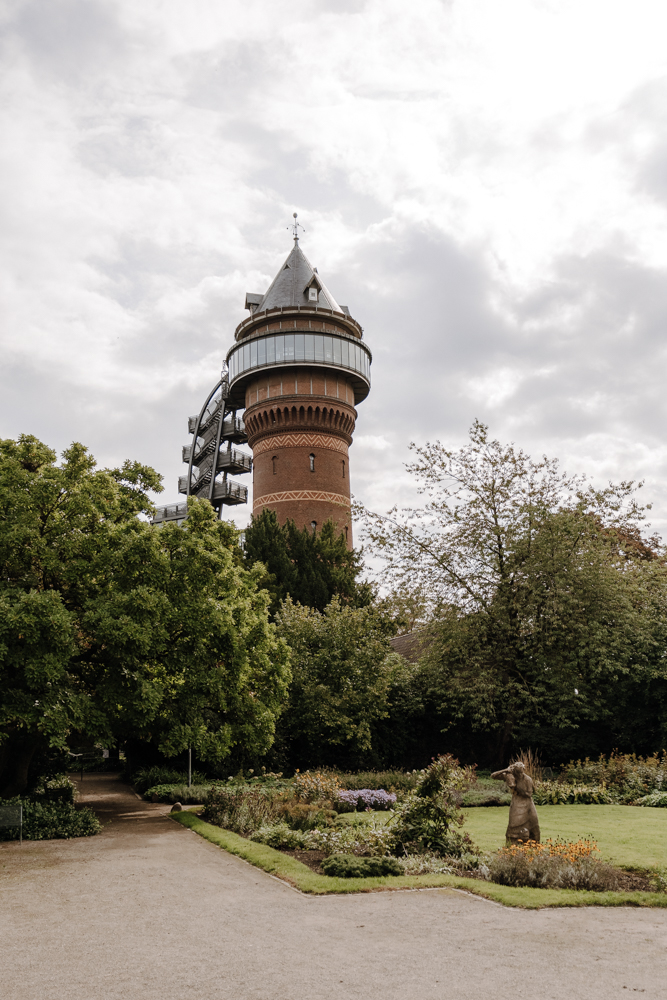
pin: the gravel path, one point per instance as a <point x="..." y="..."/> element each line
<point x="149" y="909"/>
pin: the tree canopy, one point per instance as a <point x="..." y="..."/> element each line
<point x="311" y="567"/>
<point x="540" y="592"/>
<point x="343" y="668"/>
<point x="112" y="628"/>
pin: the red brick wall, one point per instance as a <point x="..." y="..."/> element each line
<point x="289" y="416"/>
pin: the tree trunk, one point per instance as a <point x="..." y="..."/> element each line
<point x="15" y="772"/>
<point x="503" y="744"/>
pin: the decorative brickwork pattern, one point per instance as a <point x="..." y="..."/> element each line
<point x="319" y="495"/>
<point x="312" y="440"/>
<point x="265" y="419"/>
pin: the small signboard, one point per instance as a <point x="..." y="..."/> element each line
<point x="12" y="816"/>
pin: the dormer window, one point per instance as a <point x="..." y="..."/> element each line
<point x="252" y="300"/>
<point x="312" y="293"/>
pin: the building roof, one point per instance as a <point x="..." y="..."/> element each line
<point x="290" y="286"/>
<point x="410" y="646"/>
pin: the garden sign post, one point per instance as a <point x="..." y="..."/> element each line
<point x="12" y="816"/>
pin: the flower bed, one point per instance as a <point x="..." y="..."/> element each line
<point x="367" y="798"/>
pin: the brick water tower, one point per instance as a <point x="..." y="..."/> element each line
<point x="299" y="368"/>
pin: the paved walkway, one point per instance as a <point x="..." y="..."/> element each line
<point x="148" y="909"/>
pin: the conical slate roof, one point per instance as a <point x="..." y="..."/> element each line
<point x="290" y="285"/>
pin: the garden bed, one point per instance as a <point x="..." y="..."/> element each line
<point x="289" y="868"/>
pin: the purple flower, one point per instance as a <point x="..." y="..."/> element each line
<point x="368" y="798"/>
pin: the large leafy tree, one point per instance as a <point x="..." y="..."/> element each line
<point x="111" y="628"/>
<point x="311" y="567"/>
<point x="343" y="670"/>
<point x="543" y="595"/>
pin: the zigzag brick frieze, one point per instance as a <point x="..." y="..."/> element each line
<point x="300" y="441"/>
<point x="270" y="498"/>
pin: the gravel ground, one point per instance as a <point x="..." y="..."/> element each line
<point x="150" y="909"/>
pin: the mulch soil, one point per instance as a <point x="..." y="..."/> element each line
<point x="313" y="859"/>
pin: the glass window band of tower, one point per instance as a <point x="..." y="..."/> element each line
<point x="291" y="348"/>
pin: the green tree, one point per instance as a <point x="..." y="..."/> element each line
<point x="343" y="668"/>
<point x="112" y="628"/>
<point x="311" y="567"/>
<point x="543" y="594"/>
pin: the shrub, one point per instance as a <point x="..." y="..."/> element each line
<point x="425" y="864"/>
<point x="304" y="815"/>
<point x="148" y="777"/>
<point x="553" y="865"/>
<point x="485" y="797"/>
<point x="366" y="798"/>
<point x="241" y="810"/>
<point x="627" y="774"/>
<point x="658" y="799"/>
<point x="178" y="793"/>
<point x="554" y="793"/>
<point x="400" y="782"/>
<point x="426" y="820"/>
<point x="51" y="821"/>
<point x="314" y="786"/>
<point x="280" y="836"/>
<point x="349" y="866"/>
<point x="659" y="880"/>
<point x="59" y="788"/>
<point x="369" y="840"/>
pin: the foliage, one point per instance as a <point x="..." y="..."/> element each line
<point x="281" y="837"/>
<point x="186" y="795"/>
<point x="51" y="820"/>
<point x="554" y="793"/>
<point x="342" y="666"/>
<point x="546" y="603"/>
<point x="426" y="864"/>
<point x="349" y="866"/>
<point x="309" y="566"/>
<point x="659" y="879"/>
<point x="485" y="797"/>
<point x="58" y="788"/>
<point x="627" y="774"/>
<point x="242" y="811"/>
<point x="367" y="798"/>
<point x="655" y="799"/>
<point x="553" y="865"/>
<point x="393" y="781"/>
<point x="313" y="786"/>
<point x="426" y="819"/>
<point x="112" y="628"/>
<point x="305" y="816"/>
<point x="149" y="777"/>
<point x="370" y="839"/>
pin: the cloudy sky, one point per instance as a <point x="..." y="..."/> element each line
<point x="484" y="184"/>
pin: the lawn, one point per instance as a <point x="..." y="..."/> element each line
<point x="626" y="835"/>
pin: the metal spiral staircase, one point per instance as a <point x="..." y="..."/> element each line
<point x="212" y="457"/>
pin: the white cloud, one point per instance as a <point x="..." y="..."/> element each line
<point x="485" y="185"/>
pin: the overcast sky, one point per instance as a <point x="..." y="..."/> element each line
<point x="484" y="184"/>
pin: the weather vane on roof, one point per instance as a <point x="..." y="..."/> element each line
<point x="295" y="227"/>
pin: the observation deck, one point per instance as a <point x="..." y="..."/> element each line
<point x="296" y="336"/>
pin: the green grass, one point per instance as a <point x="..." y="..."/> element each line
<point x="302" y="878"/>
<point x="632" y="837"/>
